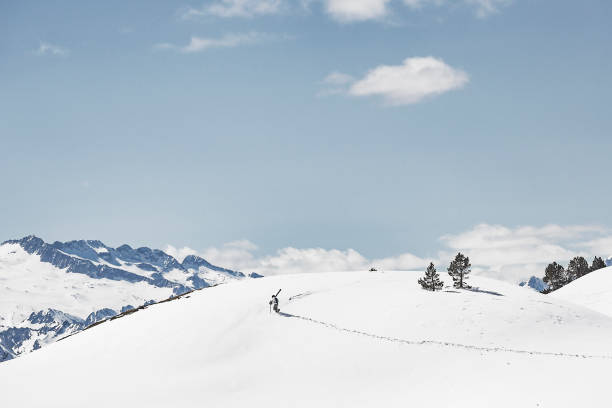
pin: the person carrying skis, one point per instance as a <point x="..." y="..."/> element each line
<point x="274" y="302"/>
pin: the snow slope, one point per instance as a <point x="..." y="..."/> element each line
<point x="368" y="339"/>
<point x="593" y="290"/>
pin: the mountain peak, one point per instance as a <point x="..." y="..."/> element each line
<point x="26" y="239"/>
<point x="195" y="262"/>
<point x="94" y="243"/>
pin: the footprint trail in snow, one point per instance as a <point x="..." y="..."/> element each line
<point x="447" y="343"/>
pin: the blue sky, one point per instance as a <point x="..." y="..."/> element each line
<point x="375" y="125"/>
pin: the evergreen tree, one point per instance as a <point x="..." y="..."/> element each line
<point x="431" y="280"/>
<point x="459" y="269"/>
<point x="555" y="276"/>
<point x="598" y="263"/>
<point x="577" y="268"/>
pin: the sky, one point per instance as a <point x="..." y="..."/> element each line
<point x="306" y="135"/>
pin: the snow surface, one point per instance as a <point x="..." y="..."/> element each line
<point x="368" y="339"/>
<point x="593" y="290"/>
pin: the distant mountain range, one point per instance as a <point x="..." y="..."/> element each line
<point x="49" y="291"/>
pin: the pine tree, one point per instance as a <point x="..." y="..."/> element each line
<point x="577" y="268"/>
<point x="431" y="280"/>
<point x="459" y="270"/>
<point x="555" y="276"/>
<point x="598" y="263"/>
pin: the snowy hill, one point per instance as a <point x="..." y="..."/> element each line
<point x="344" y="339"/>
<point x="48" y="291"/>
<point x="593" y="290"/>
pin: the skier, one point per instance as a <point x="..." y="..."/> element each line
<point x="274" y="302"/>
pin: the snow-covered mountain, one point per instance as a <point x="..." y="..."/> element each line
<point x="371" y="339"/>
<point x="608" y="261"/>
<point x="48" y="291"/>
<point x="535" y="283"/>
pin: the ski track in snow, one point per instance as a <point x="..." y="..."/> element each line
<point x="446" y="343"/>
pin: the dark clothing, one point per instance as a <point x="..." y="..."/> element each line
<point x="274" y="303"/>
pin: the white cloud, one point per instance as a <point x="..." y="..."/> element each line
<point x="235" y="8"/>
<point x="240" y="255"/>
<point x="294" y="260"/>
<point x="338" y="78"/>
<point x="356" y="10"/>
<point x="483" y="8"/>
<point x="236" y="254"/>
<point x="510" y="254"/>
<point x="179" y="253"/>
<point x="199" y="44"/>
<point x="50" y="49"/>
<point x="402" y="262"/>
<point x="499" y="237"/>
<point x="517" y="253"/>
<point x="340" y="10"/>
<point x="415" y="79"/>
<point x="599" y="246"/>
<point x="335" y="83"/>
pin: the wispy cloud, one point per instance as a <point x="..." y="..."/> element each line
<point x="199" y="44"/>
<point x="485" y="8"/>
<point x="497" y="251"/>
<point x="338" y="78"/>
<point x="482" y="8"/>
<point x="415" y="79"/>
<point x="340" y="10"/>
<point x="335" y="83"/>
<point x="344" y="11"/>
<point x="50" y="49"/>
<point x="234" y="8"/>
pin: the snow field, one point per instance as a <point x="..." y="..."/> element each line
<point x="221" y="347"/>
